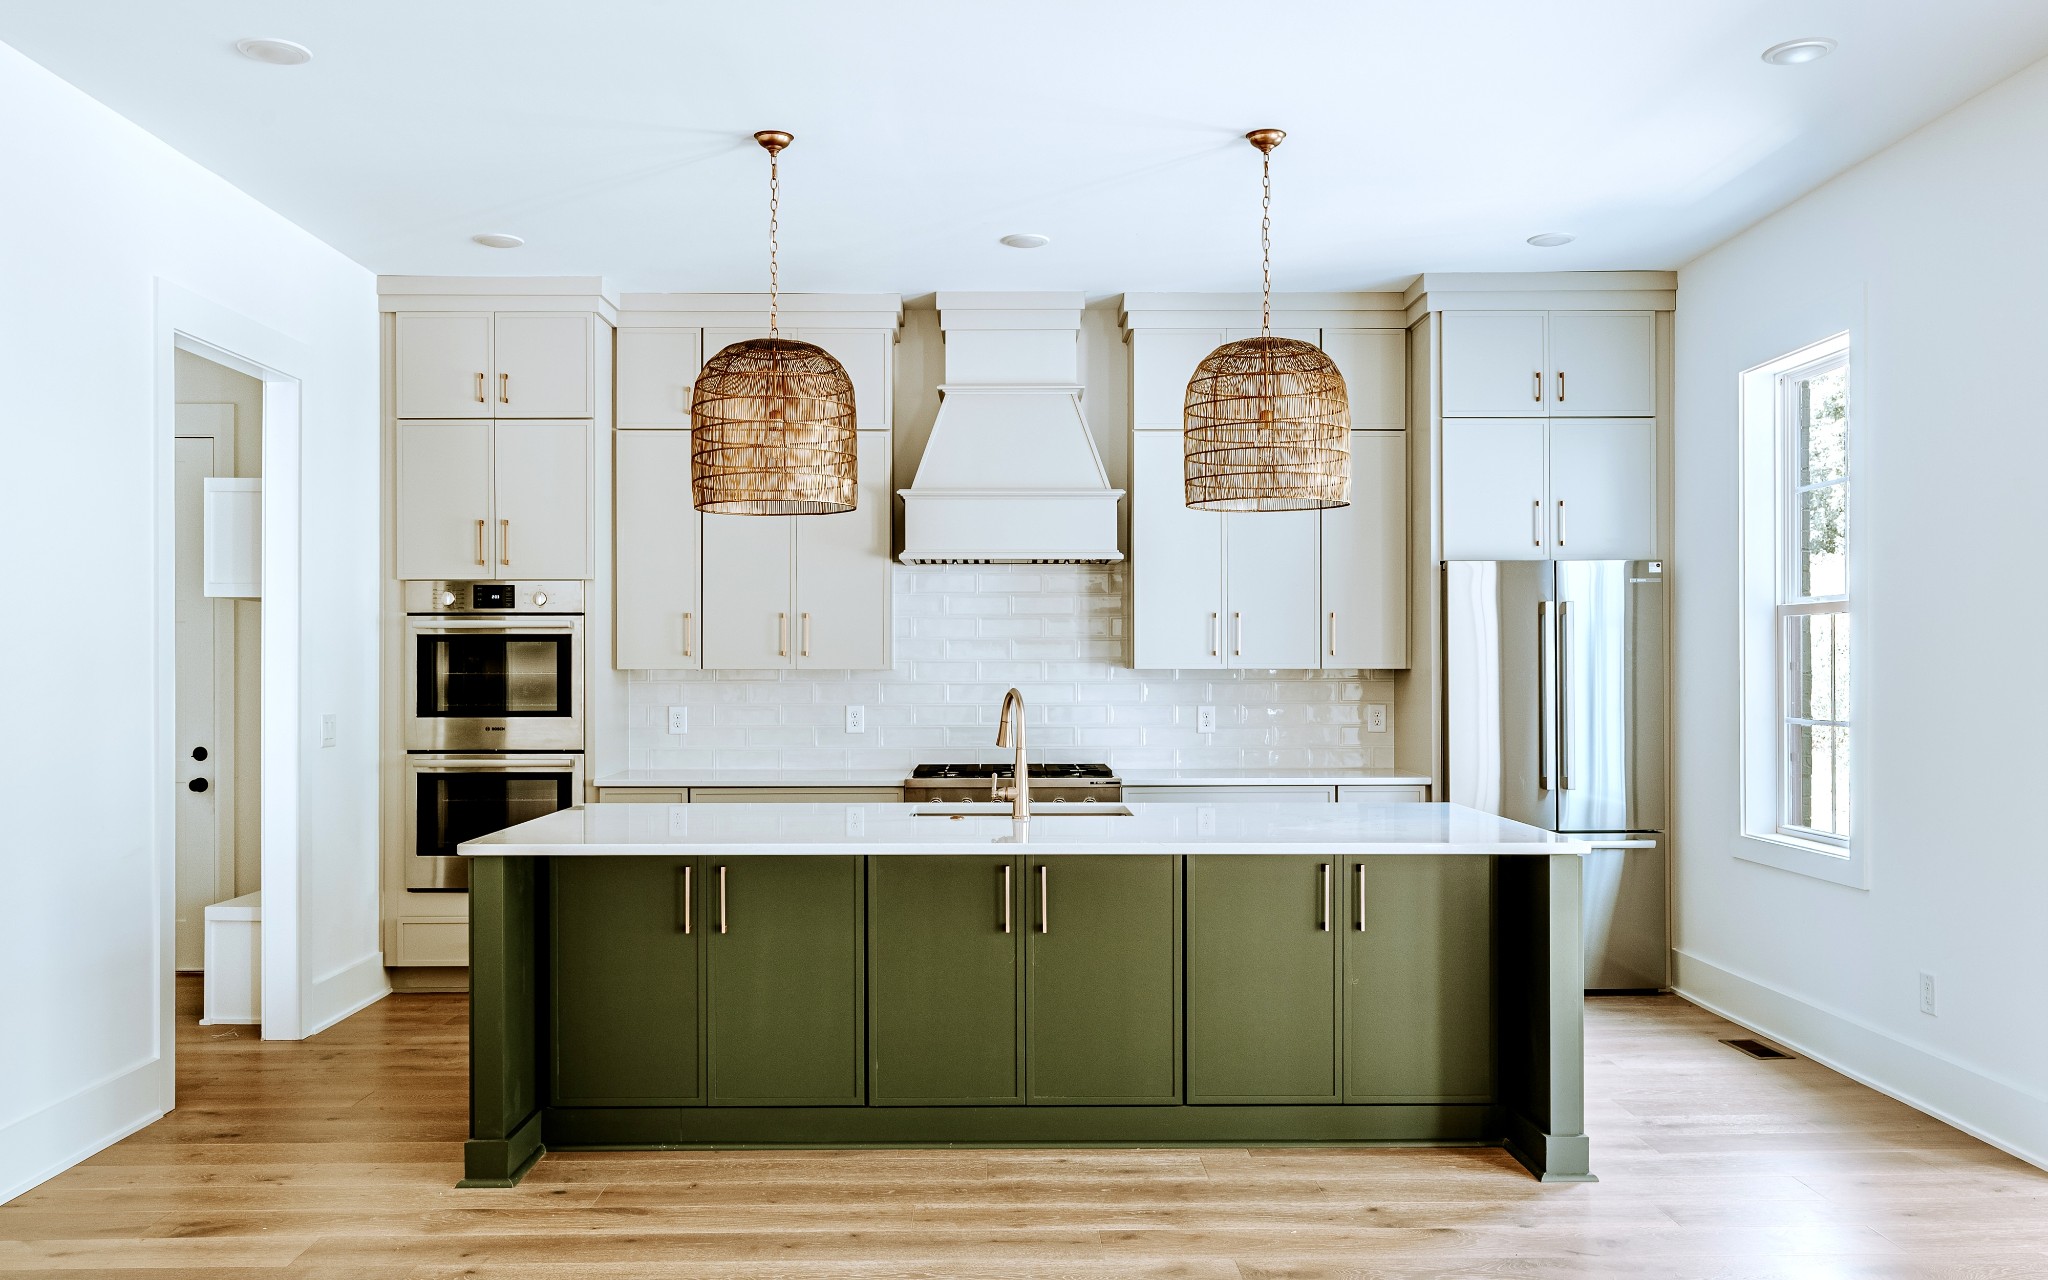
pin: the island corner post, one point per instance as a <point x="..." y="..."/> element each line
<point x="1537" y="1113"/>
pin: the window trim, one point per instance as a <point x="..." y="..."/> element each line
<point x="1768" y="561"/>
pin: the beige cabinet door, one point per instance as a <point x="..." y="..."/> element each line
<point x="1603" y="364"/>
<point x="1365" y="559"/>
<point x="749" y="596"/>
<point x="658" y="554"/>
<point x="1274" y="577"/>
<point x="844" y="577"/>
<point x="1494" y="363"/>
<point x="542" y="486"/>
<point x="544" y="366"/>
<point x="1177" y="611"/>
<point x="866" y="355"/>
<point x="1603" y="488"/>
<point x="443" y="365"/>
<point x="444" y="499"/>
<point x="657" y="372"/>
<point x="1374" y="363"/>
<point x="1494" y="490"/>
<point x="1162" y="361"/>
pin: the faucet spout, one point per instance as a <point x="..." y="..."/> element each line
<point x="1019" y="791"/>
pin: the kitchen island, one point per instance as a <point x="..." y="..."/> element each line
<point x="816" y="975"/>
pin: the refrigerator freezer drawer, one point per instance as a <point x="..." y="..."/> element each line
<point x="1625" y="918"/>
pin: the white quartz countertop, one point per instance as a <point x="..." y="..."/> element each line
<point x="736" y="830"/>
<point x="897" y="777"/>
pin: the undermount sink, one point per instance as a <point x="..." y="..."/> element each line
<point x="984" y="809"/>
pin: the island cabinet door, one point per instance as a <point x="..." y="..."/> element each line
<point x="1102" y="980"/>
<point x="784" y="993"/>
<point x="1262" y="962"/>
<point x="625" y="969"/>
<point x="1418" y="964"/>
<point x="945" y="1006"/>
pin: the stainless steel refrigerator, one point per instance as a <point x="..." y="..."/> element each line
<point x="1554" y="708"/>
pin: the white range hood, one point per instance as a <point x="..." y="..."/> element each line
<point x="1010" y="474"/>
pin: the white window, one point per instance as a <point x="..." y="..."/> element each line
<point x="1798" y="734"/>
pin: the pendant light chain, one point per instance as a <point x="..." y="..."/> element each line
<point x="1266" y="244"/>
<point x="774" y="246"/>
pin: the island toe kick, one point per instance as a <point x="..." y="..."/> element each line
<point x="1022" y="997"/>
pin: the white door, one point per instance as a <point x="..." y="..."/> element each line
<point x="1176" y="563"/>
<point x="1274" y="578"/>
<point x="444" y="500"/>
<point x="1603" y="364"/>
<point x="1162" y="361"/>
<point x="1374" y="363"/>
<point x="203" y="642"/>
<point x="865" y="355"/>
<point x="657" y="373"/>
<point x="1493" y="364"/>
<point x="543" y="366"/>
<point x="444" y="366"/>
<point x="1603" y="488"/>
<point x="843" y="577"/>
<point x="749" y="570"/>
<point x="542" y="499"/>
<point x="1365" y="559"/>
<point x="1493" y="490"/>
<point x="659" y="554"/>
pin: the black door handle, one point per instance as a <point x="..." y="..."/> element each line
<point x="197" y="784"/>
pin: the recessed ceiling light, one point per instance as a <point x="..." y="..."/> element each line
<point x="1793" y="52"/>
<point x="1552" y="239"/>
<point x="278" y="53"/>
<point x="498" y="240"/>
<point x="1027" y="240"/>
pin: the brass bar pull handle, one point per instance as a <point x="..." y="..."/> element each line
<point x="1006" y="897"/>
<point x="1560" y="522"/>
<point x="1536" y="522"/>
<point x="505" y="542"/>
<point x="721" y="899"/>
<point x="504" y="388"/>
<point x="686" y="898"/>
<point x="803" y="649"/>
<point x="1361" y="897"/>
<point x="1564" y="706"/>
<point x="1326" y="898"/>
<point x="1560" y="386"/>
<point x="1536" y="392"/>
<point x="1044" y="895"/>
<point x="1237" y="626"/>
<point x="689" y="632"/>
<point x="1213" y="641"/>
<point x="480" y="542"/>
<point x="1542" y="700"/>
<point x="1333" y="633"/>
<point x="782" y="635"/>
<point x="479" y="388"/>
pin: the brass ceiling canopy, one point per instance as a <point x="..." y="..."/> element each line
<point x="772" y="427"/>
<point x="1266" y="425"/>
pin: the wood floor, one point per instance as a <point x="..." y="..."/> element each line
<point x="337" y="1157"/>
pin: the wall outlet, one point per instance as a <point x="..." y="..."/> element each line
<point x="1205" y="719"/>
<point x="678" y="719"/>
<point x="327" y="731"/>
<point x="679" y="820"/>
<point x="1927" y="993"/>
<point x="856" y="821"/>
<point x="1375" y="717"/>
<point x="856" y="722"/>
<point x="1205" y="821"/>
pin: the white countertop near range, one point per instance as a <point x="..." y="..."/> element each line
<point x="1273" y="778"/>
<point x="896" y="778"/>
<point x="738" y="830"/>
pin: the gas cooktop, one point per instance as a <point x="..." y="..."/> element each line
<point x="1079" y="772"/>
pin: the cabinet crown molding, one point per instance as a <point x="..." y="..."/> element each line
<point x="1541" y="291"/>
<point x="750" y="310"/>
<point x="1241" y="310"/>
<point x="498" y="293"/>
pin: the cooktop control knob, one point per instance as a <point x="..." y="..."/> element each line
<point x="447" y="599"/>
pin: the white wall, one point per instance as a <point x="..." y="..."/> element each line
<point x="1931" y="255"/>
<point x="97" y="213"/>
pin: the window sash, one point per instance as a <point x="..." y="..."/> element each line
<point x="1791" y="491"/>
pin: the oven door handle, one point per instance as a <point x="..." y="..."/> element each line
<point x="514" y="762"/>
<point x="510" y="623"/>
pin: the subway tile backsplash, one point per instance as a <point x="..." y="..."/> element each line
<point x="964" y="634"/>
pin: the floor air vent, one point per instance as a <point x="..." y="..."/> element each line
<point x="1758" y="1049"/>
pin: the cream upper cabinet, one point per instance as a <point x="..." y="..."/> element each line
<point x="657" y="374"/>
<point x="1365" y="559"/>
<point x="865" y="353"/>
<point x="1162" y="361"/>
<point x="444" y="499"/>
<point x="844" y="577"/>
<point x="1177" y="603"/>
<point x="749" y="576"/>
<point x="1374" y="363"/>
<point x="544" y="365"/>
<point x="1494" y="364"/>
<point x="541" y="474"/>
<point x="1603" y="364"/>
<point x="443" y="365"/>
<point x="1494" y="490"/>
<point x="1273" y="581"/>
<point x="1603" y="484"/>
<point x="659" y="550"/>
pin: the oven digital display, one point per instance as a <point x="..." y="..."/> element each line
<point x="492" y="595"/>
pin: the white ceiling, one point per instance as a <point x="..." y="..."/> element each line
<point x="1423" y="134"/>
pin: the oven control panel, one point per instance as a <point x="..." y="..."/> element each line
<point x="492" y="597"/>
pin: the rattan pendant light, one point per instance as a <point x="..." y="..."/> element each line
<point x="1267" y="426"/>
<point x="772" y="430"/>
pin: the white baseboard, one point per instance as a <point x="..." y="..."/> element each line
<point x="345" y="992"/>
<point x="2001" y="1113"/>
<point x="42" y="1145"/>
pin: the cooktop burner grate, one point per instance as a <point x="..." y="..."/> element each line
<point x="984" y="771"/>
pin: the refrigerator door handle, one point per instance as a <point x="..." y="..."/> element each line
<point x="1542" y="696"/>
<point x="1564" y="706"/>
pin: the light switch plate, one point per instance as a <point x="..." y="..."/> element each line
<point x="1927" y="993"/>
<point x="678" y="719"/>
<point x="1205" y="719"/>
<point x="1375" y="717"/>
<point x="856" y="719"/>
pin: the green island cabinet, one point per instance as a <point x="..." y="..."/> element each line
<point x="1024" y="998"/>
